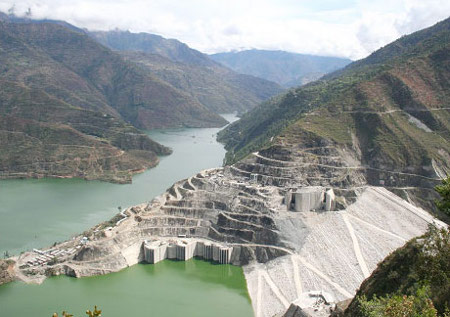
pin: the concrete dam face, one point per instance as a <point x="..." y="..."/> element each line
<point x="185" y="249"/>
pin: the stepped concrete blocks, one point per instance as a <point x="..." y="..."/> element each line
<point x="310" y="198"/>
<point x="215" y="253"/>
<point x="185" y="249"/>
<point x="154" y="251"/>
<point x="199" y="249"/>
<point x="172" y="252"/>
<point x="208" y="251"/>
<point x="225" y="255"/>
<point x="305" y="199"/>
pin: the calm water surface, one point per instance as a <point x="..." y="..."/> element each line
<point x="37" y="213"/>
<point x="194" y="288"/>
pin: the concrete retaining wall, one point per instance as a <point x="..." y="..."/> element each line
<point x="183" y="250"/>
<point x="310" y="199"/>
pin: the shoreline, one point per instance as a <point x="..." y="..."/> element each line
<point x="218" y="206"/>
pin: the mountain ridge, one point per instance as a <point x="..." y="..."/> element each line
<point x="391" y="117"/>
<point x="285" y="68"/>
<point x="72" y="102"/>
<point x="213" y="85"/>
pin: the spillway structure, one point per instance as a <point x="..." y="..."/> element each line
<point x="185" y="249"/>
<point x="310" y="198"/>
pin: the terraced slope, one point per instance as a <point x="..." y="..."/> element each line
<point x="288" y="257"/>
<point x="216" y="87"/>
<point x="385" y="119"/>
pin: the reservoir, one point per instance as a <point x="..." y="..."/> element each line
<point x="36" y="213"/>
<point x="169" y="288"/>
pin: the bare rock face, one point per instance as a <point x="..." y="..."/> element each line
<point x="6" y="271"/>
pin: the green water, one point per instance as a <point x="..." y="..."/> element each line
<point x="36" y="213"/>
<point x="193" y="288"/>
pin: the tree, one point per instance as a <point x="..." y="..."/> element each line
<point x="417" y="305"/>
<point x="95" y="313"/>
<point x="444" y="191"/>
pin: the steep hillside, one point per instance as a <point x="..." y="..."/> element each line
<point x="285" y="68"/>
<point x="423" y="264"/>
<point x="154" y="44"/>
<point x="216" y="88"/>
<point x="67" y="105"/>
<point x="76" y="69"/>
<point x="211" y="84"/>
<point x="41" y="136"/>
<point x="387" y="119"/>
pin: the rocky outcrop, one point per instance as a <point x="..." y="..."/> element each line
<point x="6" y="271"/>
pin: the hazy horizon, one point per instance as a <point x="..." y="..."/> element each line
<point x="349" y="28"/>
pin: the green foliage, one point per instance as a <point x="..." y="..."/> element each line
<point x="95" y="313"/>
<point x="417" y="305"/>
<point x="420" y="271"/>
<point x="444" y="192"/>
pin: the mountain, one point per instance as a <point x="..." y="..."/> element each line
<point x="82" y="72"/>
<point x="285" y="68"/>
<point x="385" y="120"/>
<point x="42" y="136"/>
<point x="196" y="74"/>
<point x="70" y="107"/>
<point x="172" y="49"/>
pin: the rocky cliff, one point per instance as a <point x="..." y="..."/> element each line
<point x="6" y="271"/>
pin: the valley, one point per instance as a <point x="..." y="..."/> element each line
<point x="320" y="193"/>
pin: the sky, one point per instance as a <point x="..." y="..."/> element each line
<point x="344" y="28"/>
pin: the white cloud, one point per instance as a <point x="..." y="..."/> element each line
<point x="348" y="28"/>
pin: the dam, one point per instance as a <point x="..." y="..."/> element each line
<point x="185" y="249"/>
<point x="38" y="212"/>
<point x="302" y="235"/>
